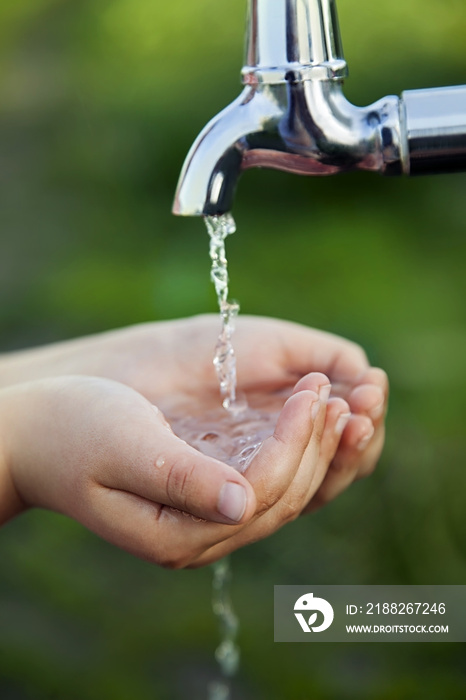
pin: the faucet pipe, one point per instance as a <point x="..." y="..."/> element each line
<point x="293" y="116"/>
<point x="434" y="128"/>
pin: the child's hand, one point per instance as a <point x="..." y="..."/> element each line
<point x="174" y="358"/>
<point x="99" y="452"/>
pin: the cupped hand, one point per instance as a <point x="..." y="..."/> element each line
<point x="98" y="451"/>
<point x="171" y="361"/>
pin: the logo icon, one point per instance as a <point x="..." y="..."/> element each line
<point x="308" y="603"/>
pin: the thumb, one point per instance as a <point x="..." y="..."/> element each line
<point x="174" y="474"/>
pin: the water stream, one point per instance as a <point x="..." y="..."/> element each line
<point x="218" y="228"/>
<point x="227" y="653"/>
<point x="232" y="433"/>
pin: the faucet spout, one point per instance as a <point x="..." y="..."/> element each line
<point x="292" y="114"/>
<point x="210" y="173"/>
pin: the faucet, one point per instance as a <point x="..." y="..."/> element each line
<point x="292" y="114"/>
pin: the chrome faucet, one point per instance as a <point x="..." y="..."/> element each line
<point x="292" y="114"/>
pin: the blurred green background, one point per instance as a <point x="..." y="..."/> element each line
<point x="99" y="103"/>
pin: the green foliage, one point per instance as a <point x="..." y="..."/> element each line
<point x="99" y="102"/>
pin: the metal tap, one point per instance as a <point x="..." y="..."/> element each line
<point x="292" y="114"/>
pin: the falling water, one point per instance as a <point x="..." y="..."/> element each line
<point x="232" y="433"/>
<point x="227" y="653"/>
<point x="219" y="227"/>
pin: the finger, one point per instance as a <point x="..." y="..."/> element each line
<point x="369" y="400"/>
<point x="337" y="417"/>
<point x="378" y="377"/>
<point x="151" y="462"/>
<point x="338" y="358"/>
<point x="373" y="376"/>
<point x="361" y="443"/>
<point x="362" y="446"/>
<point x="313" y="381"/>
<point x="313" y="465"/>
<point x="370" y="395"/>
<point x="336" y="420"/>
<point x="293" y="351"/>
<point x="276" y="463"/>
<point x="357" y="456"/>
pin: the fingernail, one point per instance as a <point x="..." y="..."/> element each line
<point x="377" y="411"/>
<point x="365" y="440"/>
<point x="342" y="422"/>
<point x="324" y="392"/>
<point x="232" y="501"/>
